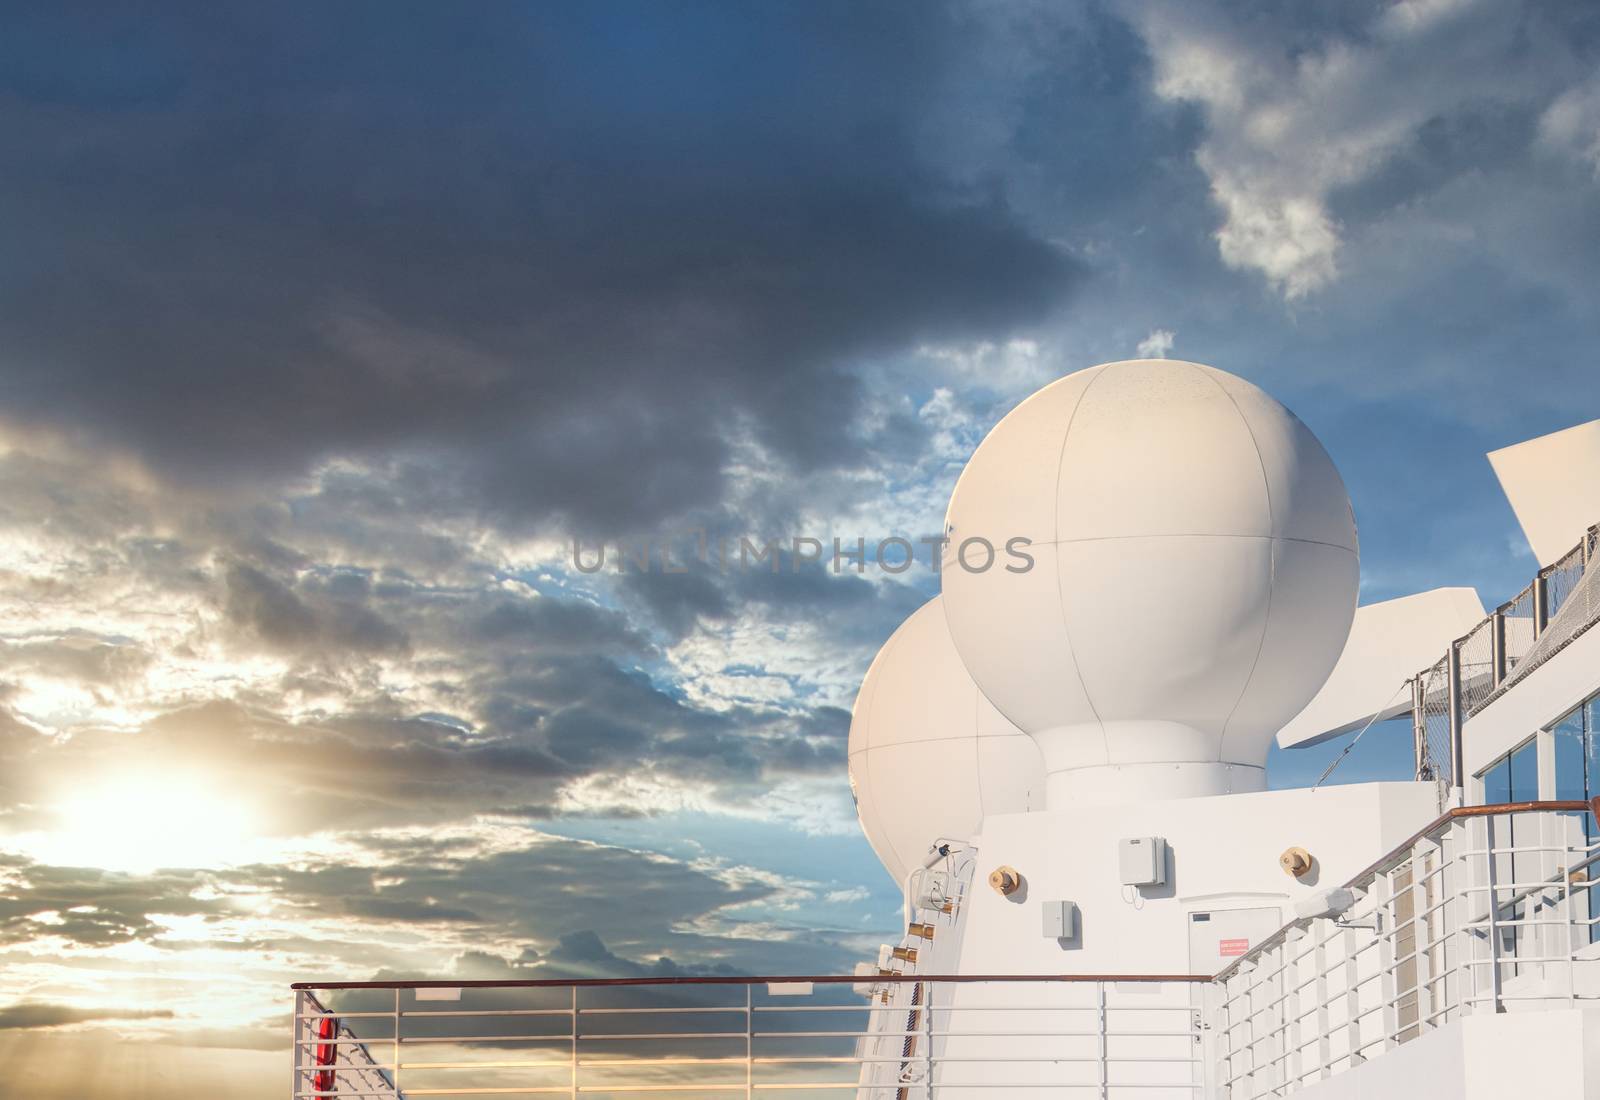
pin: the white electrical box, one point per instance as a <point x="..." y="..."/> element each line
<point x="1143" y="861"/>
<point x="933" y="890"/>
<point x="1060" y="920"/>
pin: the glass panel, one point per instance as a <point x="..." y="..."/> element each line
<point x="1571" y="772"/>
<point x="1525" y="774"/>
<point x="1497" y="782"/>
<point x="1591" y="720"/>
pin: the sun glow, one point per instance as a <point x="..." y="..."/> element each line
<point x="140" y="823"/>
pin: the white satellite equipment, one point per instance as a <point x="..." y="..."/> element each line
<point x="1196" y="570"/>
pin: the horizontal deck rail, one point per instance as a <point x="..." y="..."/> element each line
<point x="1485" y="909"/>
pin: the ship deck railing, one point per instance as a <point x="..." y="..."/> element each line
<point x="1557" y="607"/>
<point x="1487" y="909"/>
<point x="880" y="1037"/>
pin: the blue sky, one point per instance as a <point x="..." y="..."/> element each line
<point x="325" y="331"/>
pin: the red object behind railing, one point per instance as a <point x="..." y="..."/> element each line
<point x="326" y="1054"/>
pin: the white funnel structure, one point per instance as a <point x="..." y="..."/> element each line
<point x="929" y="755"/>
<point x="1195" y="574"/>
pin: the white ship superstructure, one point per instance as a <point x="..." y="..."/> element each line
<point x="1064" y="768"/>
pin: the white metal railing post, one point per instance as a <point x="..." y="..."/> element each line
<point x="1422" y="930"/>
<point x="1568" y="934"/>
<point x="1389" y="933"/>
<point x="1352" y="997"/>
<point x="1494" y="917"/>
<point x="1454" y="711"/>
<point x="1100" y="1029"/>
<point x="749" y="1043"/>
<point x="1324" y="1027"/>
<point x="927" y="1036"/>
<point x="394" y="1074"/>
<point x="297" y="1056"/>
<point x="573" y="1087"/>
<point x="1419" y="726"/>
<point x="1289" y="1010"/>
<point x="1497" y="647"/>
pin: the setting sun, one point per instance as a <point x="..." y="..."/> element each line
<point x="140" y="823"/>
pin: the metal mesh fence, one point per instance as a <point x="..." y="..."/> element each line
<point x="1518" y="615"/>
<point x="1579" y="611"/>
<point x="1476" y="654"/>
<point x="1434" y="755"/>
<point x="1561" y="579"/>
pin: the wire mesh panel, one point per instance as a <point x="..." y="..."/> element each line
<point x="1435" y="755"/>
<point x="1561" y="578"/>
<point x="1476" y="656"/>
<point x="1518" y="615"/>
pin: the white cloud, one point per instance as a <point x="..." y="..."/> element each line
<point x="1288" y="126"/>
<point x="1156" y="345"/>
<point x="1571" y="124"/>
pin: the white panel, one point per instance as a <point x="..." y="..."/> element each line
<point x="1312" y="583"/>
<point x="1218" y="937"/>
<point x="1389" y="643"/>
<point x="1010" y="774"/>
<point x="1309" y="500"/>
<point x="1181" y="619"/>
<point x="1553" y="484"/>
<point x="922" y="692"/>
<point x="1008" y="628"/>
<point x="1149" y="612"/>
<point x="915" y="733"/>
<point x="1159" y="448"/>
<point x="927" y="803"/>
<point x="1008" y="489"/>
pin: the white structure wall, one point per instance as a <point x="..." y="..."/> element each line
<point x="1223" y="855"/>
<point x="1534" y="703"/>
<point x="1547" y="1055"/>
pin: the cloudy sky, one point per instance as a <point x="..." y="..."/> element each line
<point x="325" y="329"/>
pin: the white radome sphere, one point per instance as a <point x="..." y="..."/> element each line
<point x="929" y="755"/>
<point x="1195" y="573"/>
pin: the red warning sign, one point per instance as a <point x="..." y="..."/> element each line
<point x="1229" y="949"/>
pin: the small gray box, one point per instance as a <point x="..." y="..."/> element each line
<point x="1060" y="919"/>
<point x="1143" y="861"/>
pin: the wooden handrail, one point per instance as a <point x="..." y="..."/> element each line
<point x="1494" y="810"/>
<point x="1564" y="805"/>
<point x="684" y="979"/>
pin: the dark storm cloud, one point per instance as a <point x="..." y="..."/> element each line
<point x="93" y="907"/>
<point x="276" y="615"/>
<point x="563" y="247"/>
<point x="35" y="1015"/>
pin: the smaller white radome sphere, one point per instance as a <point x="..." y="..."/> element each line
<point x="1195" y="572"/>
<point x="930" y="757"/>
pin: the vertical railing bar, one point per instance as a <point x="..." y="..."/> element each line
<point x="927" y="1037"/>
<point x="1541" y="614"/>
<point x="1352" y="996"/>
<point x="573" y="1072"/>
<point x="1571" y="951"/>
<point x="1100" y="1026"/>
<point x="1422" y="918"/>
<point x="1289" y="1008"/>
<point x="1388" y="986"/>
<point x="1497" y="648"/>
<point x="749" y="1043"/>
<point x="396" y="1071"/>
<point x="1494" y="916"/>
<point x="1324" y="1026"/>
<point x="1454" y="712"/>
<point x="296" y="1060"/>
